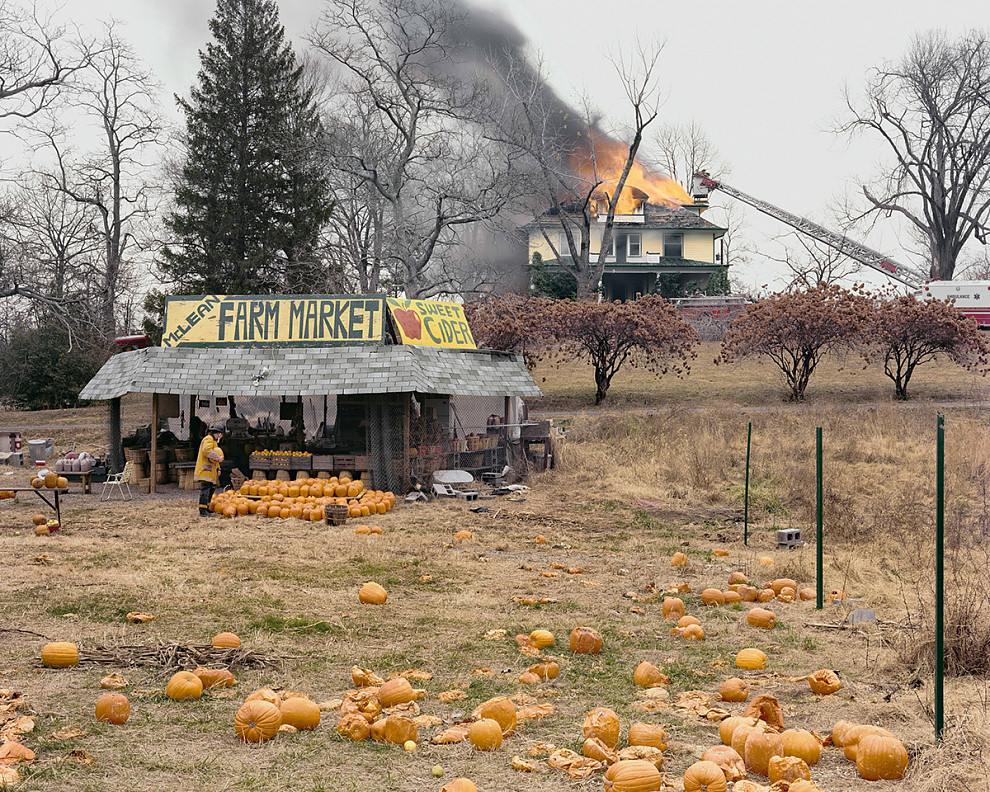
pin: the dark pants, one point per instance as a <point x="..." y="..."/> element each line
<point x="206" y="490"/>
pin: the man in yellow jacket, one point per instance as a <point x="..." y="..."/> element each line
<point x="208" y="467"/>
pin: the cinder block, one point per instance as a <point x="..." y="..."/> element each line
<point x="790" y="537"/>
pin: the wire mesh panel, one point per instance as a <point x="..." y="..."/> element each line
<point x="385" y="418"/>
<point x="473" y="414"/>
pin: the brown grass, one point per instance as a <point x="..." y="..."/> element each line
<point x="635" y="489"/>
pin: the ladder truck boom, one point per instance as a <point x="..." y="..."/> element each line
<point x="703" y="184"/>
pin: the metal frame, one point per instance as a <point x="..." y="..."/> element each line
<point x="120" y="481"/>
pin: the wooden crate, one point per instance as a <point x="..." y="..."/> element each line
<point x="322" y="462"/>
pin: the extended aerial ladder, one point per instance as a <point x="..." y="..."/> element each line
<point x="703" y="184"/>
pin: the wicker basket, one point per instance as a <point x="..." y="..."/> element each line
<point x="335" y="514"/>
<point x="237" y="479"/>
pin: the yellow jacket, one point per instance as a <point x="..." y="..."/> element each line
<point x="208" y="461"/>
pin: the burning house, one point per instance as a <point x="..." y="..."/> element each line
<point x="660" y="241"/>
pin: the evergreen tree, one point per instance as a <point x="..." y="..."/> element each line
<point x="252" y="196"/>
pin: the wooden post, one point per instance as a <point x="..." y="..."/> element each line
<point x="189" y="418"/>
<point x="153" y="453"/>
<point x="116" y="453"/>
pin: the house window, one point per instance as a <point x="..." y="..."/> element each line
<point x="634" y="245"/>
<point x="673" y="245"/>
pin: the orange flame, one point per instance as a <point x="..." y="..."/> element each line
<point x="603" y="163"/>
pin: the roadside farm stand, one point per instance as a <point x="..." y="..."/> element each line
<point x="384" y="401"/>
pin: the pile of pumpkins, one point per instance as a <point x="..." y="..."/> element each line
<point x="303" y="499"/>
<point x="757" y="742"/>
<point x="49" y="480"/>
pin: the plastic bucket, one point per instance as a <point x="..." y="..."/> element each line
<point x="39" y="448"/>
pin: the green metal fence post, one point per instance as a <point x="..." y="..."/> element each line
<point x="749" y="438"/>
<point x="939" y="574"/>
<point x="819" y="498"/>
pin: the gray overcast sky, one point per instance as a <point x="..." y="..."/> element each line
<point x="765" y="78"/>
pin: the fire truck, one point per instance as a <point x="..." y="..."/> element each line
<point x="972" y="298"/>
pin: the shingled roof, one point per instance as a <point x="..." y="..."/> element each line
<point x="655" y="216"/>
<point x="669" y="217"/>
<point x="311" y="371"/>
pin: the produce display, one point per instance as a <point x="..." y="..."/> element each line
<point x="303" y="499"/>
<point x="47" y="479"/>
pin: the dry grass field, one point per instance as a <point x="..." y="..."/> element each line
<point x="632" y="489"/>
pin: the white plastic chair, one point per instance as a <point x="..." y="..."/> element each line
<point x="120" y="481"/>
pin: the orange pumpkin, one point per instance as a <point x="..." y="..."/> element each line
<point x="880" y="756"/>
<point x="265" y="694"/>
<point x="730" y="763"/>
<point x="257" y="721"/>
<point x="399" y="730"/>
<point x="300" y="712"/>
<point x="633" y="775"/>
<point x="648" y="734"/>
<point x="215" y="677"/>
<point x="585" y="640"/>
<point x="396" y="691"/>
<point x="751" y="659"/>
<point x="499" y="709"/>
<point x="60" y="654"/>
<point x="226" y="640"/>
<point x="354" y="727"/>
<point x="802" y="744"/>
<point x="824" y="682"/>
<point x="113" y="708"/>
<point x="648" y="675"/>
<point x="728" y="726"/>
<point x="372" y="594"/>
<point x="734" y="689"/>
<point x="485" y="735"/>
<point x="712" y="596"/>
<point x="788" y="768"/>
<point x="761" y="618"/>
<point x="761" y="747"/>
<point x="602" y="723"/>
<point x="183" y="686"/>
<point x="460" y="785"/>
<point x="673" y="608"/>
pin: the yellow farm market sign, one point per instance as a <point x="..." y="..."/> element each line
<point x="431" y="323"/>
<point x="299" y="320"/>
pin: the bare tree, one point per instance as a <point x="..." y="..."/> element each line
<point x="931" y="110"/>
<point x="114" y="183"/>
<point x="421" y="147"/>
<point x="811" y="263"/>
<point x="53" y="233"/>
<point x="36" y="58"/>
<point x="977" y="267"/>
<point x="685" y="149"/>
<point x="577" y="168"/>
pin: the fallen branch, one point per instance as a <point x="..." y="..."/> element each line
<point x="176" y="656"/>
<point x="26" y="632"/>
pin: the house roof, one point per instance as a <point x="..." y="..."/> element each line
<point x="656" y="216"/>
<point x="311" y="371"/>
